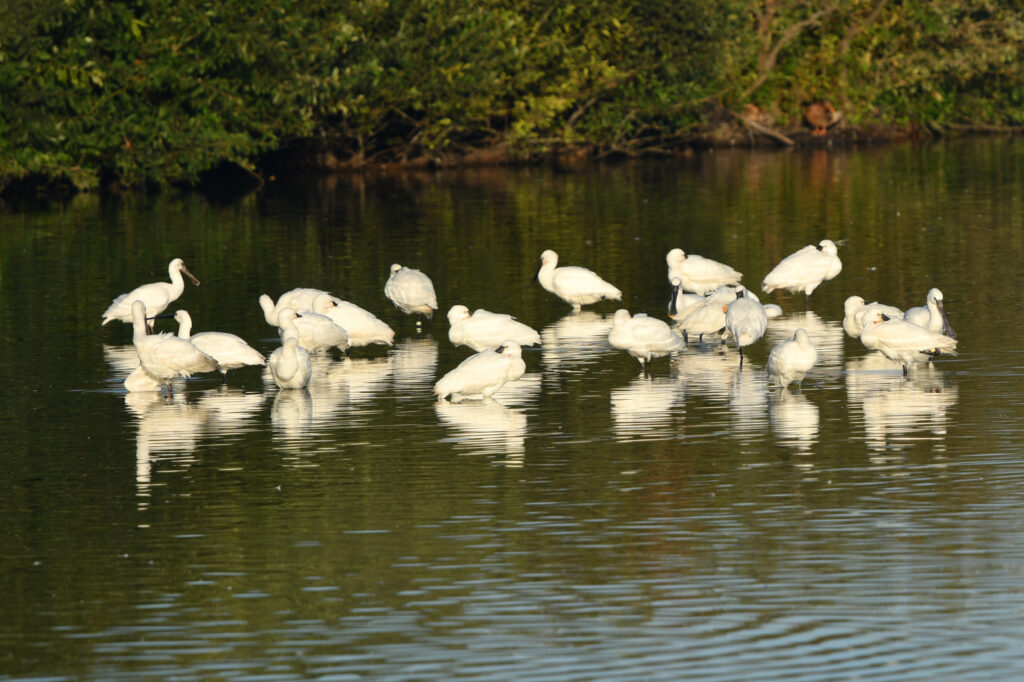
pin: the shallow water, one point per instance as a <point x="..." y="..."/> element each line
<point x="591" y="523"/>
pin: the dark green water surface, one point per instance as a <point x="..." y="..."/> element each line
<point x="593" y="522"/>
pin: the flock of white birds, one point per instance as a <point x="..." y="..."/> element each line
<point x="707" y="301"/>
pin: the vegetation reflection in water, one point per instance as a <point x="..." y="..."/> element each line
<point x="593" y="521"/>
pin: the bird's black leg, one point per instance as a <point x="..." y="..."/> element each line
<point x="741" y="357"/>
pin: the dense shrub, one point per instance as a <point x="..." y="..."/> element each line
<point x="153" y="92"/>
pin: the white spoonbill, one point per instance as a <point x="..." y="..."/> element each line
<point x="299" y="300"/>
<point x="411" y="291"/>
<point x="165" y="356"/>
<point x="482" y="374"/>
<point x="575" y="285"/>
<point x="709" y="316"/>
<point x="316" y="333"/>
<point x="681" y="302"/>
<point x="855" y="309"/>
<point x="362" y="326"/>
<point x="903" y="341"/>
<point x="746" y="320"/>
<point x="484" y="329"/>
<point x="290" y="364"/>
<point x="698" y="274"/>
<point x="230" y="351"/>
<point x="931" y="316"/>
<point x="805" y="269"/>
<point x="791" y="359"/>
<point x="643" y="337"/>
<point x="156" y="296"/>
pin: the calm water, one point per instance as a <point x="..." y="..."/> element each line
<point x="594" y="523"/>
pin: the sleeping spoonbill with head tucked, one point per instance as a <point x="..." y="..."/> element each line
<point x="805" y="270"/>
<point x="299" y="299"/>
<point x="698" y="274"/>
<point x="575" y="285"/>
<point x="363" y="327"/>
<point x="483" y="374"/>
<point x="316" y="333"/>
<point x="903" y="341"/>
<point x="643" y="337"/>
<point x="165" y="356"/>
<point x="290" y="364"/>
<point x="156" y="296"/>
<point x="709" y="316"/>
<point x="230" y="351"/>
<point x="746" y="320"/>
<point x="932" y="315"/>
<point x="411" y="291"/>
<point x="854" y="311"/>
<point x="790" y="360"/>
<point x="484" y="329"/>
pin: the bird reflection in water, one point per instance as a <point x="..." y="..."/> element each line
<point x="647" y="409"/>
<point x="577" y="338"/>
<point x="168" y="428"/>
<point x="414" y="363"/>
<point x="485" y="427"/>
<point x="794" y="420"/>
<point x="898" y="411"/>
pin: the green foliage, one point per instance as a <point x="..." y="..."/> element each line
<point x="155" y="92"/>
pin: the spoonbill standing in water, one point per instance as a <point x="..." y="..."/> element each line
<point x="156" y="296"/>
<point x="790" y="360"/>
<point x="904" y="342"/>
<point x="411" y="291"/>
<point x="299" y="300"/>
<point x="698" y="274"/>
<point x="484" y="329"/>
<point x="709" y="316"/>
<point x="165" y="356"/>
<point x="746" y="320"/>
<point x="805" y="270"/>
<point x="855" y="309"/>
<point x="482" y="374"/>
<point x="290" y="364"/>
<point x="316" y="333"/>
<point x="230" y="351"/>
<point x="643" y="337"/>
<point x="363" y="327"/>
<point x="575" y="285"/>
<point x="932" y="315"/>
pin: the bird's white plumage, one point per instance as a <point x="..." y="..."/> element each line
<point x="229" y="350"/>
<point x="362" y="326"/>
<point x="575" y="285"/>
<point x="805" y="270"/>
<point x="316" y="333"/>
<point x="290" y="364"/>
<point x="165" y="356"/>
<point x="699" y="275"/>
<point x="790" y="360"/>
<point x="483" y="374"/>
<point x="299" y="300"/>
<point x="709" y="316"/>
<point x="484" y="329"/>
<point x="411" y="291"/>
<point x="903" y="341"/>
<point x="932" y="315"/>
<point x="156" y="296"/>
<point x="745" y="319"/>
<point x="681" y="302"/>
<point x="643" y="337"/>
<point x="855" y="309"/>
